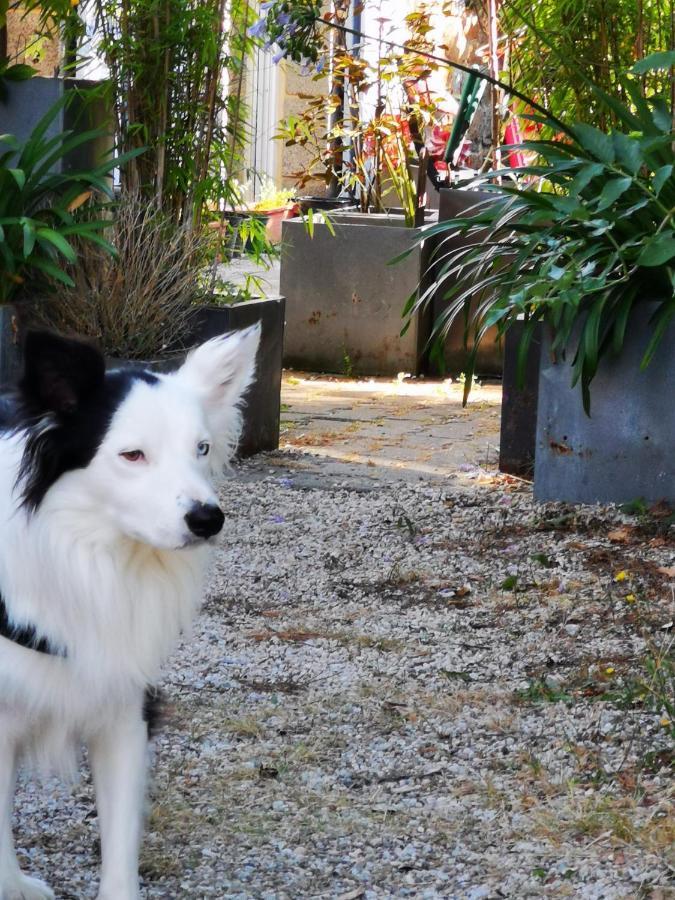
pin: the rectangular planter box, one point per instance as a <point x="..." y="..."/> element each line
<point x="263" y="400"/>
<point x="10" y="352"/>
<point x="624" y="451"/>
<point x="518" y="435"/>
<point x="344" y="302"/>
<point x="28" y="101"/>
<point x="455" y="204"/>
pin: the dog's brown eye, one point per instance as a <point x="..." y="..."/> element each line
<point x="133" y="455"/>
<point x="203" y="448"/>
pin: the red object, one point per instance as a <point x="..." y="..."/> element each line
<point x="512" y="135"/>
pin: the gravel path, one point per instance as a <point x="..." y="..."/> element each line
<point x="404" y="690"/>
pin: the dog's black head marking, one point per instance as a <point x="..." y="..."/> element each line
<point x="66" y="403"/>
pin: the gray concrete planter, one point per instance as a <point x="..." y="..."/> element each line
<point x="518" y="435"/>
<point x="28" y="101"/>
<point x="263" y="400"/>
<point x="624" y="451"/>
<point x="262" y="409"/>
<point x="344" y="300"/>
<point x="456" y="203"/>
<point x="10" y="351"/>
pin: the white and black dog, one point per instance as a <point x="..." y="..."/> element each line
<point x="107" y="504"/>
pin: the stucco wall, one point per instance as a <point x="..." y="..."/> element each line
<point x="23" y="45"/>
<point x="296" y="159"/>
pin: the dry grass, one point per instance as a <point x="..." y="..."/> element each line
<point x="135" y="305"/>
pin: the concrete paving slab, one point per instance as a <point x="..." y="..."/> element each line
<point x="391" y="429"/>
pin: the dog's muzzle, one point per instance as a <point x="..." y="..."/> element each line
<point x="204" y="520"/>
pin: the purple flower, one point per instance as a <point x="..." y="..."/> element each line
<point x="320" y="66"/>
<point x="278" y="56"/>
<point x="283" y="19"/>
<point x="267" y="5"/>
<point x="258" y="28"/>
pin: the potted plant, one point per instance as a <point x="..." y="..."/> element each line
<point x="44" y="212"/>
<point x="346" y="304"/>
<point x="153" y="300"/>
<point x="587" y="250"/>
<point x="274" y="206"/>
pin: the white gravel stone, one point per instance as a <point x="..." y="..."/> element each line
<point x="359" y="711"/>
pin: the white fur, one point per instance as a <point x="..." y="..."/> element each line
<point x="107" y="569"/>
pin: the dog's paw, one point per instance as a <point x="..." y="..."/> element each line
<point x="22" y="887"/>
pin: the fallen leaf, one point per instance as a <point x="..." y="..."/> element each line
<point x="78" y="201"/>
<point x="668" y="571"/>
<point x="298" y="636"/>
<point x="620" y="535"/>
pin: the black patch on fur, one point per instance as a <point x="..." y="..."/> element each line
<point x="66" y="401"/>
<point x="25" y="635"/>
<point x="153" y="710"/>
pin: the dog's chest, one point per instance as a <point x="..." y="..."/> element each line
<point x="116" y="611"/>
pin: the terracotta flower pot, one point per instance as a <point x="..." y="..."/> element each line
<point x="274" y="219"/>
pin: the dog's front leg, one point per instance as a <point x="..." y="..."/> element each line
<point x="119" y="760"/>
<point x="14" y="885"/>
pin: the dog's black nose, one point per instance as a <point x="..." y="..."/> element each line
<point x="205" y="519"/>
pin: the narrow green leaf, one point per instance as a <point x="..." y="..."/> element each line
<point x="44" y="265"/>
<point x="57" y="240"/>
<point x="584" y="177"/>
<point x="663" y="59"/>
<point x="595" y="141"/>
<point x="658" y="251"/>
<point x="28" y="239"/>
<point x="628" y="151"/>
<point x="661" y="176"/>
<point x="660" y="322"/>
<point x="612" y="190"/>
<point x="19" y="72"/>
<point x="19" y="176"/>
<point x="621" y="320"/>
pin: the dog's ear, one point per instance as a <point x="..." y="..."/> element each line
<point x="60" y="374"/>
<point x="220" y="371"/>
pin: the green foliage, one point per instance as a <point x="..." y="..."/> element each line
<point x="559" y="47"/>
<point x="541" y="691"/>
<point x="39" y="204"/>
<point x="331" y="127"/>
<point x="167" y="60"/>
<point x="589" y="237"/>
<point x="293" y="27"/>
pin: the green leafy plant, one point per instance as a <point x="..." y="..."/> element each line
<point x="588" y="236"/>
<point x="168" y="60"/>
<point x="41" y="204"/>
<point x="559" y="47"/>
<point x="137" y="302"/>
<point x="292" y="26"/>
<point x="367" y="157"/>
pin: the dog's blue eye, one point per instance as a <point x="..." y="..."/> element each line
<point x="203" y="448"/>
<point x="133" y="455"/>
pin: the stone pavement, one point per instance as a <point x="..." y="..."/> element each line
<point x="366" y="430"/>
